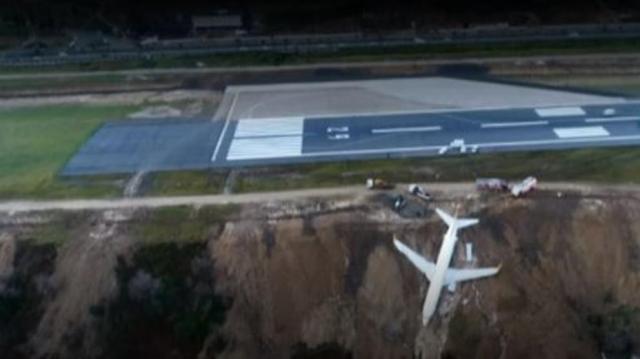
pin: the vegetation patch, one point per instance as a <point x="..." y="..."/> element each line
<point x="617" y="331"/>
<point x="177" y="183"/>
<point x="36" y="142"/>
<point x="608" y="165"/>
<point x="181" y="223"/>
<point x="22" y="294"/>
<point x="352" y="54"/>
<point x="466" y="332"/>
<point x="167" y="297"/>
<point x="56" y="230"/>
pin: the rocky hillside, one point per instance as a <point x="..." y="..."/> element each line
<point x="321" y="279"/>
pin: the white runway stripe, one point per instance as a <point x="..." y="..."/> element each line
<point x="574" y="132"/>
<point x="406" y="129"/>
<point x="612" y="119"/>
<point x="560" y="111"/>
<point x="514" y="124"/>
<point x="282" y="126"/>
<point x="267" y="147"/>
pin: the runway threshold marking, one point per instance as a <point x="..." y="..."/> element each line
<point x="406" y="129"/>
<point x="514" y="124"/>
<point x="574" y="132"/>
<point x="612" y="119"/>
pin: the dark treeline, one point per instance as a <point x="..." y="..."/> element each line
<point x="147" y="16"/>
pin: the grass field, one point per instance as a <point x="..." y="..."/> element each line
<point x="615" y="165"/>
<point x="616" y="83"/>
<point x="35" y="142"/>
<point x="176" y="183"/>
<point x="93" y="83"/>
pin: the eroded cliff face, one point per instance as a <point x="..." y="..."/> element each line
<point x="322" y="279"/>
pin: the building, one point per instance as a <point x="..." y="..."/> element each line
<point x="219" y="24"/>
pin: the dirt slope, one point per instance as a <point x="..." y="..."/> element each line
<point x="321" y="279"/>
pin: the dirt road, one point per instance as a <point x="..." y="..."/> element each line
<point x="447" y="189"/>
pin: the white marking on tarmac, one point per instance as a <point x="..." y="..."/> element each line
<point x="574" y="132"/>
<point x="265" y="147"/>
<point x="513" y="124"/>
<point x="560" y="111"/>
<point x="224" y="129"/>
<point x="612" y="119"/>
<point x="270" y="127"/>
<point x="406" y="129"/>
<point x="480" y="145"/>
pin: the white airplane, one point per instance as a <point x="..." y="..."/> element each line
<point x="439" y="274"/>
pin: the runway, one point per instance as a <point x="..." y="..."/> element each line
<point x="297" y="139"/>
<point x="335" y="121"/>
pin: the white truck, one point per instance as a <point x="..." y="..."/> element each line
<point x="527" y="185"/>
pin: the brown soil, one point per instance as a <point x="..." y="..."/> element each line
<point x="321" y="279"/>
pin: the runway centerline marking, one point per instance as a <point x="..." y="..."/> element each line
<point x="612" y="119"/>
<point x="406" y="129"/>
<point x="574" y="132"/>
<point x="513" y="124"/>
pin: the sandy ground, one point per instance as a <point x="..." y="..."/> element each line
<point x="446" y="189"/>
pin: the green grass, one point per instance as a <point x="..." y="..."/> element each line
<point x="95" y="82"/>
<point x="56" y="230"/>
<point x="575" y="46"/>
<point x="617" y="165"/>
<point x="176" y="183"/>
<point x="35" y="143"/>
<point x="619" y="83"/>
<point x="180" y="224"/>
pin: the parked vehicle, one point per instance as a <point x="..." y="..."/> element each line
<point x="378" y="183"/>
<point x="492" y="184"/>
<point x="419" y="192"/>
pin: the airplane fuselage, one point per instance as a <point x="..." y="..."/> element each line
<point x="439" y="274"/>
<point x="442" y="264"/>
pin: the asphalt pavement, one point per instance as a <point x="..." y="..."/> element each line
<point x="123" y="147"/>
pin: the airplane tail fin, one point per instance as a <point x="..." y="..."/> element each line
<point x="455" y="222"/>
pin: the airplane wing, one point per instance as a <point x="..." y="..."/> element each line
<point x="461" y="275"/>
<point x="426" y="267"/>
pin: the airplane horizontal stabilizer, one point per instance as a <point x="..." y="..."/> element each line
<point x="457" y="222"/>
<point x="426" y="267"/>
<point x="461" y="275"/>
